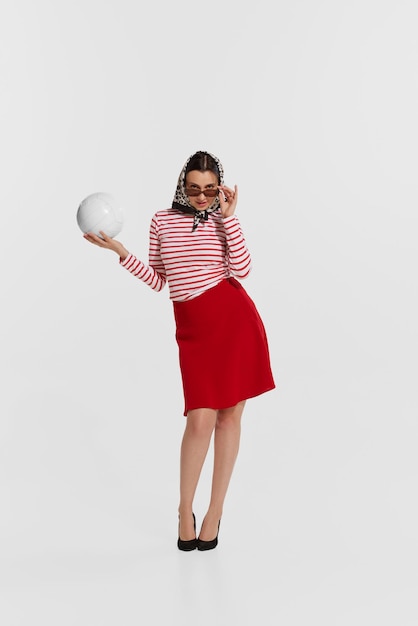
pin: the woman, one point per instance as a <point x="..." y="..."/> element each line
<point x="198" y="247"/>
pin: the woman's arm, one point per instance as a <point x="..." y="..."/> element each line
<point x="153" y="274"/>
<point x="238" y="255"/>
<point x="239" y="258"/>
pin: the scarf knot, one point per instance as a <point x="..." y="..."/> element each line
<point x="198" y="216"/>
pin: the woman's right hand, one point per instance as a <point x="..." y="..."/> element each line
<point x="107" y="242"/>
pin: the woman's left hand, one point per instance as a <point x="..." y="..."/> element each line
<point x="228" y="199"/>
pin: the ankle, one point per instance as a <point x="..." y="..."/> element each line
<point x="185" y="511"/>
<point x="214" y="513"/>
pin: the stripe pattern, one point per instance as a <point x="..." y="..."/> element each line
<point x="191" y="262"/>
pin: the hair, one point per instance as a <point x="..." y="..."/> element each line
<point x="203" y="162"/>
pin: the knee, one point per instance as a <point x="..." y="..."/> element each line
<point x="226" y="423"/>
<point x="201" y="422"/>
<point x="230" y="418"/>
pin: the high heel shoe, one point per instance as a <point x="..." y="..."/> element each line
<point x="190" y="544"/>
<point x="208" y="545"/>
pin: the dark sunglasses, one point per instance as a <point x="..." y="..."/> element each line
<point x="209" y="193"/>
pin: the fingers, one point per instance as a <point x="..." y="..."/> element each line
<point x="228" y="199"/>
<point x="228" y="194"/>
<point x="103" y="241"/>
<point x="93" y="238"/>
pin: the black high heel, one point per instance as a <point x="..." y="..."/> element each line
<point x="208" y="545"/>
<point x="190" y="544"/>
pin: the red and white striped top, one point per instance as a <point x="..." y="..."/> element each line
<point x="191" y="262"/>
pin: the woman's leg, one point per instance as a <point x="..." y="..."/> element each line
<point x="226" y="445"/>
<point x="194" y="447"/>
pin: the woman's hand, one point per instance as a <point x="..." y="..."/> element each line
<point x="107" y="242"/>
<point x="228" y="199"/>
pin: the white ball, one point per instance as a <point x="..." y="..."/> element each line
<point x="100" y="211"/>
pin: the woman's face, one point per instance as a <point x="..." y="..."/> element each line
<point x="199" y="182"/>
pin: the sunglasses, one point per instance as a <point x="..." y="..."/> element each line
<point x="209" y="193"/>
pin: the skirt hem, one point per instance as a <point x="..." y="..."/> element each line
<point x="233" y="403"/>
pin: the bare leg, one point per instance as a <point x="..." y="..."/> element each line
<point x="227" y="438"/>
<point x="194" y="448"/>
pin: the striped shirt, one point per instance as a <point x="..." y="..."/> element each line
<point x="191" y="262"/>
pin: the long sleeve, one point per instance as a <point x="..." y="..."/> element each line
<point x="154" y="274"/>
<point x="239" y="258"/>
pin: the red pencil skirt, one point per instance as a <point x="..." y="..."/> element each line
<point x="223" y="349"/>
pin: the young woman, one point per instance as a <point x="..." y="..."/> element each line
<point x="198" y="247"/>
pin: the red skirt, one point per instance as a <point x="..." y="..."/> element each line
<point x="223" y="349"/>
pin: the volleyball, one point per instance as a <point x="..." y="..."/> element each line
<point x="100" y="211"/>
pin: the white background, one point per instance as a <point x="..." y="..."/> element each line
<point x="312" y="108"/>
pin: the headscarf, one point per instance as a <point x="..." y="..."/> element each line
<point x="181" y="201"/>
